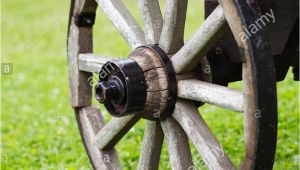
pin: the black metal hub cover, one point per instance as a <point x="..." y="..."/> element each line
<point x="121" y="87"/>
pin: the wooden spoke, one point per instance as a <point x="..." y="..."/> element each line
<point x="112" y="132"/>
<point x="172" y="36"/>
<point x="197" y="130"/>
<point x="123" y="21"/>
<point x="211" y="93"/>
<point x="151" y="15"/>
<point x="232" y="16"/>
<point x="152" y="144"/>
<point x="90" y="122"/>
<point x="178" y="145"/>
<point x="91" y="63"/>
<point x="191" y="53"/>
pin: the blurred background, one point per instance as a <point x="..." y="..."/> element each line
<point x="38" y="127"/>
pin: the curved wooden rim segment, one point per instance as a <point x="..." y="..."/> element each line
<point x="90" y="121"/>
<point x="260" y="115"/>
<point x="80" y="40"/>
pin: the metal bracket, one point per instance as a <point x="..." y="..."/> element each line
<point x="85" y="19"/>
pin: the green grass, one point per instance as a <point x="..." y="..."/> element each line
<point x="37" y="123"/>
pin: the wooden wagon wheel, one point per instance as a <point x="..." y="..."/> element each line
<point x="181" y="121"/>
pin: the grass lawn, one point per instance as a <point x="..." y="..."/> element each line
<point x="37" y="123"/>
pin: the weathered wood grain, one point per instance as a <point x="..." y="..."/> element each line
<point x="211" y="93"/>
<point x="172" y="36"/>
<point x="234" y="21"/>
<point x="90" y="122"/>
<point x="114" y="130"/>
<point x="123" y="21"/>
<point x="194" y="49"/>
<point x="250" y="119"/>
<point x="185" y="76"/>
<point x="157" y="85"/>
<point x="178" y="145"/>
<point x="197" y="130"/>
<point x="152" y="18"/>
<point x="146" y="59"/>
<point x="92" y="63"/>
<point x="156" y="82"/>
<point x="152" y="144"/>
<point x="161" y="96"/>
<point x="154" y="74"/>
<point x="80" y="40"/>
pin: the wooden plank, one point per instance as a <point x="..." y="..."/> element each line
<point x="191" y="53"/>
<point x="197" y="130"/>
<point x="80" y="40"/>
<point x="172" y="36"/>
<point x="90" y="122"/>
<point x="178" y="145"/>
<point x="211" y="93"/>
<point x="92" y="63"/>
<point x="152" y="144"/>
<point x="112" y="132"/>
<point x="123" y="21"/>
<point x="152" y="18"/>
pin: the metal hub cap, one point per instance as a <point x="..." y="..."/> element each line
<point x="145" y="83"/>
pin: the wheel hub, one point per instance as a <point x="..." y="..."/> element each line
<point x="144" y="84"/>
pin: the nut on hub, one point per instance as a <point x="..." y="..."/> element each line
<point x="143" y="84"/>
<point x="120" y="81"/>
